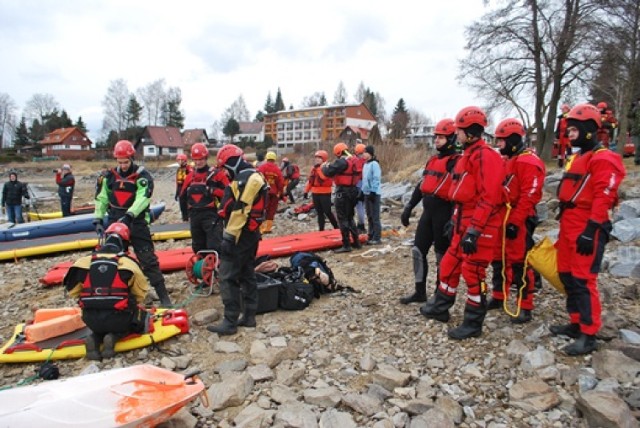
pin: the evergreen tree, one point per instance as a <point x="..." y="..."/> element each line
<point x="370" y="101"/>
<point x="231" y="128"/>
<point x="323" y="100"/>
<point x="269" y="106"/>
<point x="36" y="132"/>
<point x="21" y="138"/>
<point x="172" y="114"/>
<point x="279" y="104"/>
<point x="134" y="110"/>
<point x="399" y="120"/>
<point x="80" y="125"/>
<point x="259" y="116"/>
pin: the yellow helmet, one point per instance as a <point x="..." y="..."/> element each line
<point x="271" y="156"/>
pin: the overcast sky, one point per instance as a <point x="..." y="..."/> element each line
<point x="215" y="51"/>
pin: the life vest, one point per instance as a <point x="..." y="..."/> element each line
<point x="350" y="176"/>
<point x="257" y="213"/>
<point x="576" y="188"/>
<point x="123" y="189"/>
<point x="360" y="161"/>
<point x="104" y="287"/>
<point x="463" y="187"/>
<point x="201" y="189"/>
<point x="436" y="177"/>
<point x="181" y="174"/>
<point x="511" y="183"/>
<point x="295" y="173"/>
<point x="272" y="175"/>
<point x="319" y="180"/>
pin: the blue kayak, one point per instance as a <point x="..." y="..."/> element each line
<point x="59" y="226"/>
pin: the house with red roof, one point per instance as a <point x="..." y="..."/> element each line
<point x="67" y="143"/>
<point x="192" y="136"/>
<point x="159" y="141"/>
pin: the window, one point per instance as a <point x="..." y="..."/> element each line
<point x="67" y="147"/>
<point x="173" y="150"/>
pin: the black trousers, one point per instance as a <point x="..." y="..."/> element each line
<point x="206" y="229"/>
<point x="436" y="212"/>
<point x="322" y="205"/>
<point x="346" y="199"/>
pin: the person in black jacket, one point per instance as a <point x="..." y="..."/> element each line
<point x="12" y="193"/>
<point x="66" y="183"/>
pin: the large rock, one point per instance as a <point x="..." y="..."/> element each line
<point x="322" y="397"/>
<point x="295" y="415"/>
<point x="335" y="419"/>
<point x="232" y="392"/>
<point x="362" y="403"/>
<point x="605" y="409"/>
<point x="626" y="230"/>
<point x="615" y="364"/>
<point x="253" y="416"/>
<point x="390" y="378"/>
<point x="533" y="395"/>
<point x="629" y="209"/>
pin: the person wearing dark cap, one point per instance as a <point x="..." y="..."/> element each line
<point x="66" y="183"/>
<point x="12" y="193"/>
<point x="587" y="191"/>
<point x="371" y="179"/>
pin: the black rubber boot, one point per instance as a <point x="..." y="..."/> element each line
<point x="248" y="319"/>
<point x="420" y="295"/>
<point x="523" y="317"/>
<point x="495" y="304"/>
<point x="571" y="330"/>
<point x="471" y="325"/>
<point x="343" y="249"/>
<point x="226" y="328"/>
<point x="361" y="229"/>
<point x="585" y="344"/>
<point x="110" y="340"/>
<point x="163" y="295"/>
<point x="92" y="345"/>
<point x="438" y="307"/>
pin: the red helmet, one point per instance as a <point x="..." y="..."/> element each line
<point x="124" y="149"/>
<point x="445" y="127"/>
<point x="584" y="112"/>
<point x="322" y="154"/>
<point x="602" y="105"/>
<point x="339" y="148"/>
<point x="508" y="127"/>
<point x="227" y="152"/>
<point x="119" y="229"/>
<point x="199" y="151"/>
<point x="471" y="115"/>
<point x="181" y="157"/>
<point x="359" y="149"/>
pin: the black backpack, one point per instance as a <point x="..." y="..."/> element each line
<point x="309" y="262"/>
<point x="295" y="293"/>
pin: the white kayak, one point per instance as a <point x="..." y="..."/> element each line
<point x="136" y="396"/>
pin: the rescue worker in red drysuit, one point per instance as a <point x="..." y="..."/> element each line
<point x="477" y="195"/>
<point x="587" y="191"/>
<point x="291" y="175"/>
<point x="273" y="175"/>
<point x="242" y="209"/>
<point x="562" y="139"/>
<point x="359" y="159"/>
<point x="433" y="191"/>
<point x="184" y="169"/>
<point x="320" y="187"/>
<point x="606" y="132"/>
<point x="344" y="172"/>
<point x="203" y="189"/>
<point x="109" y="286"/>
<point x="525" y="173"/>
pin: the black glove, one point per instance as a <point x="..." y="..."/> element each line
<point x="469" y="241"/>
<point x="447" y="230"/>
<point x="126" y="219"/>
<point x="305" y="196"/>
<point x="584" y="243"/>
<point x="175" y="198"/>
<point x="98" y="226"/>
<point x="404" y="217"/>
<point x="228" y="247"/>
<point x="360" y="196"/>
<point x="560" y="163"/>
<point x="511" y="231"/>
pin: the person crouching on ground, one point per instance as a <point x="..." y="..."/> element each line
<point x="371" y="179"/>
<point x="109" y="286"/>
<point x="320" y="187"/>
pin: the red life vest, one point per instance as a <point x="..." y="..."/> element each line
<point x="273" y="176"/>
<point x="201" y="190"/>
<point x="295" y="173"/>
<point x="436" y="177"/>
<point x="350" y="176"/>
<point x="318" y="180"/>
<point x="576" y="188"/>
<point x="360" y="161"/>
<point x="123" y="189"/>
<point x="103" y="287"/>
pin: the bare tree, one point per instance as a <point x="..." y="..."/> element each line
<point x="115" y="104"/>
<point x="237" y="110"/>
<point x="40" y="106"/>
<point x="314" y="100"/>
<point x="7" y="119"/>
<point x="153" y="97"/>
<point x="417" y="118"/>
<point x="340" y="96"/>
<point x="525" y="55"/>
<point x="361" y="93"/>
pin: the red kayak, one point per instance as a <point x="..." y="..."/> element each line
<point x="277" y="246"/>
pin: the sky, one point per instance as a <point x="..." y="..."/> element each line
<point x="216" y="51"/>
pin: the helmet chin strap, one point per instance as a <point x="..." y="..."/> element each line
<point x="233" y="169"/>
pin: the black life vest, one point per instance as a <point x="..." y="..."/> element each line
<point x="199" y="191"/>
<point x="104" y="287"/>
<point x="123" y="189"/>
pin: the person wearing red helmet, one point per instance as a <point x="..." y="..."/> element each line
<point x="476" y="191"/>
<point x="242" y="209"/>
<point x="291" y="175"/>
<point x="344" y="171"/>
<point x="269" y="169"/>
<point x="587" y="191"/>
<point x="203" y="190"/>
<point x="184" y="169"/>
<point x="525" y="173"/>
<point x="358" y="151"/>
<point x="609" y="123"/>
<point x="125" y="196"/>
<point x="562" y="139"/>
<point x="110" y="287"/>
<point x="433" y="191"/>
<point x="320" y="187"/>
